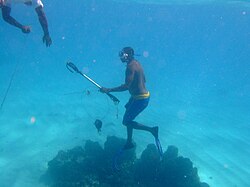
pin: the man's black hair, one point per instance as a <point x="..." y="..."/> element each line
<point x="129" y="51"/>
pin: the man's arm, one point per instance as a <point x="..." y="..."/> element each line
<point x="43" y="21"/>
<point x="128" y="80"/>
<point x="121" y="88"/>
<point x="9" y="19"/>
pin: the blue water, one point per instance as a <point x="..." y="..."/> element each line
<point x="196" y="61"/>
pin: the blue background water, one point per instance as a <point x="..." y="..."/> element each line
<point x="196" y="60"/>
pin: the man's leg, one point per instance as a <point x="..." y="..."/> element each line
<point x="152" y="130"/>
<point x="134" y="125"/>
<point x="129" y="144"/>
<point x="133" y="108"/>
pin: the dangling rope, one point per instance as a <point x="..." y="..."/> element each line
<point x="72" y="68"/>
<point x="12" y="76"/>
<point x="95" y="107"/>
<point x="9" y="85"/>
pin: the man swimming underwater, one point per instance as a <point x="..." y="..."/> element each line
<point x="135" y="84"/>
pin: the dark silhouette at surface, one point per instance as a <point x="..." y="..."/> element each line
<point x="5" y="5"/>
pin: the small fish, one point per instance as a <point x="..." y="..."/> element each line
<point x="98" y="125"/>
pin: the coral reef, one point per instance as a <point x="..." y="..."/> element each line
<point x="92" y="166"/>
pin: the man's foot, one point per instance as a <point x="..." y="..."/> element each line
<point x="154" y="131"/>
<point x="128" y="145"/>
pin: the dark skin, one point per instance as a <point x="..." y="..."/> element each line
<point x="27" y="29"/>
<point x="135" y="84"/>
<point x="134" y="80"/>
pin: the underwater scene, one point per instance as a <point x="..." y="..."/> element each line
<point x="152" y="93"/>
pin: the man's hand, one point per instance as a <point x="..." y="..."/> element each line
<point x="26" y="29"/>
<point x="47" y="40"/>
<point x="104" y="90"/>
